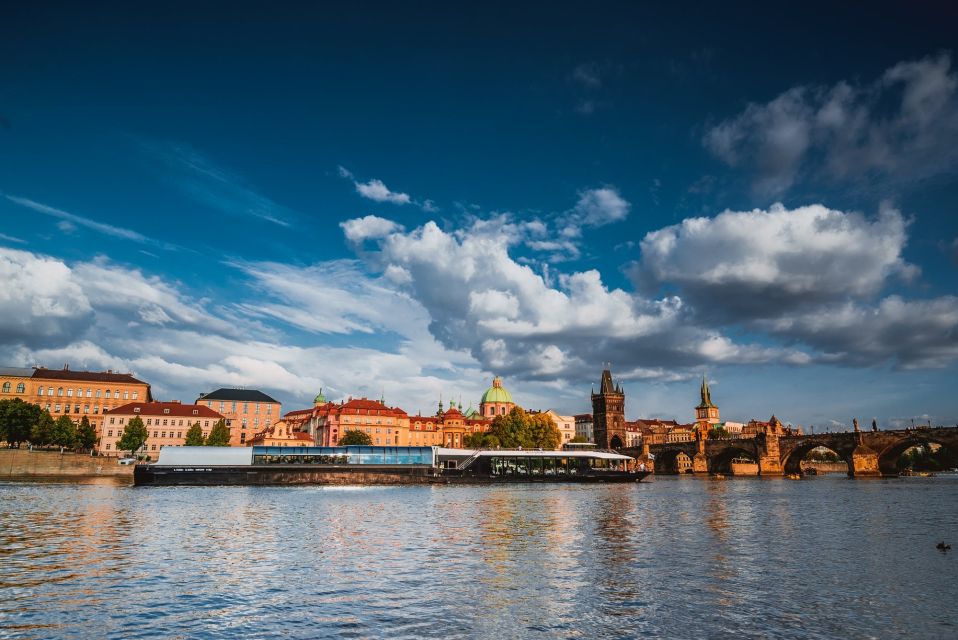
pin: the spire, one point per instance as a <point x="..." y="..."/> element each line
<point x="607" y="386"/>
<point x="706" y="394"/>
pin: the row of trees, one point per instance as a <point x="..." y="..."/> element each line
<point x="517" y="429"/>
<point x="26" y="422"/>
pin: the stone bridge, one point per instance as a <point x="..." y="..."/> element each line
<point x="867" y="453"/>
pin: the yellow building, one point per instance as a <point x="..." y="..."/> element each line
<point x="73" y="393"/>
<point x="565" y="425"/>
<point x="281" y="434"/>
<point x="247" y="411"/>
<point x="166" y="424"/>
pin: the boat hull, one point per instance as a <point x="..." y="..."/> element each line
<point x="291" y="475"/>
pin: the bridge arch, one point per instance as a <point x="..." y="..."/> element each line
<point x="666" y="460"/>
<point x="888" y="457"/>
<point x="792" y="462"/>
<point x="721" y="461"/>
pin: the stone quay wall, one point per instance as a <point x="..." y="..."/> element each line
<point x="23" y="463"/>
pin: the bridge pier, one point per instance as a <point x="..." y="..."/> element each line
<point x="700" y="463"/>
<point x="864" y="463"/>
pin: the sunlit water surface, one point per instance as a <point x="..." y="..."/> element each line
<point x="676" y="557"/>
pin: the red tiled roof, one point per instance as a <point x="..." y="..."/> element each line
<point x="583" y="416"/>
<point x="298" y="412"/>
<point x="165" y="409"/>
<point x="88" y="376"/>
<point x="301" y="435"/>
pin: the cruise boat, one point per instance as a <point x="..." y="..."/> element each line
<point x="380" y="465"/>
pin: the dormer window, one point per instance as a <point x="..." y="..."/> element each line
<point x="136" y="409"/>
<point x="196" y="412"/>
<point x="166" y="410"/>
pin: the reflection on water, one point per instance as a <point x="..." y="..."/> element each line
<point x="677" y="557"/>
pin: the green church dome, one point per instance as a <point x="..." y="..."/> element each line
<point x="496" y="393"/>
<point x="320" y="399"/>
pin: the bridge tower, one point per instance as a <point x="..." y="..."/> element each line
<point x="706" y="414"/>
<point x="608" y="414"/>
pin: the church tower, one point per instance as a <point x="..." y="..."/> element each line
<point x="706" y="414"/>
<point x="608" y="414"/>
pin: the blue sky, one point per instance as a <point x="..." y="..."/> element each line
<point x="407" y="200"/>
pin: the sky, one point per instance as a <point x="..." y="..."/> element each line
<point x="403" y="201"/>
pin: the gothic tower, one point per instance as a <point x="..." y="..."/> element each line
<point x="706" y="413"/>
<point x="608" y="414"/>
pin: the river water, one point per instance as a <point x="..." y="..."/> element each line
<point x="675" y="557"/>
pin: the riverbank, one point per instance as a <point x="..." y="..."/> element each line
<point x="17" y="464"/>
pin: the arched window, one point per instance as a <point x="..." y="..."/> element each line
<point x="6" y="387"/>
<point x="59" y="391"/>
<point x="107" y="393"/>
<point x="39" y="391"/>
<point x="21" y="388"/>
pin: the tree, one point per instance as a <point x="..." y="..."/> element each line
<point x="354" y="436"/>
<point x="219" y="435"/>
<point x="474" y="440"/>
<point x="64" y="433"/>
<point x="41" y="434"/>
<point x="194" y="437"/>
<point x="134" y="436"/>
<point x="578" y="440"/>
<point x="86" y="435"/>
<point x="17" y="419"/>
<point x="520" y="429"/>
<point x="718" y="432"/>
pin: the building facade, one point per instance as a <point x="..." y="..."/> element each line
<point x="166" y="424"/>
<point x="281" y="434"/>
<point x="565" y="425"/>
<point x="247" y="411"/>
<point x="73" y="393"/>
<point x="608" y="414"/>
<point x="583" y="426"/>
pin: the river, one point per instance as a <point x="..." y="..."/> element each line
<point x="825" y="557"/>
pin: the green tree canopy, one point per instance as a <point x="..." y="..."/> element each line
<point x="520" y="429"/>
<point x="41" y="435"/>
<point x="579" y="439"/>
<point x="718" y="432"/>
<point x="64" y="433"/>
<point x="86" y="435"/>
<point x="354" y="436"/>
<point x="194" y="437"/>
<point x="17" y="419"/>
<point x="134" y="436"/>
<point x="219" y="435"/>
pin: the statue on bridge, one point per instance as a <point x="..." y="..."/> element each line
<point x="855" y="422"/>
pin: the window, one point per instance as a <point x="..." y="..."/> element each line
<point x="166" y="411"/>
<point x="89" y="393"/>
<point x="112" y="419"/>
<point x="136" y="409"/>
<point x="96" y="408"/>
<point x="206" y="423"/>
<point x="76" y="408"/>
<point x="122" y="420"/>
<point x="245" y="407"/>
<point x="107" y="446"/>
<point x="86" y="408"/>
<point x="164" y="422"/>
<point x="39" y="391"/>
<point x="107" y="392"/>
<point x="179" y="434"/>
<point x="163" y="434"/>
<point x="99" y="393"/>
<point x="136" y="394"/>
<point x="58" y="409"/>
<point x="244" y="423"/>
<point x="257" y="407"/>
<point x="48" y="406"/>
<point x="21" y="388"/>
<point x="116" y="394"/>
<point x="234" y="407"/>
<point x="149" y="421"/>
<point x="152" y="447"/>
<point x="196" y="412"/>
<point x="69" y="393"/>
<point x="126" y="395"/>
<point x="222" y="407"/>
<point x="6" y="387"/>
<point x="269" y="408"/>
<point x="154" y="434"/>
